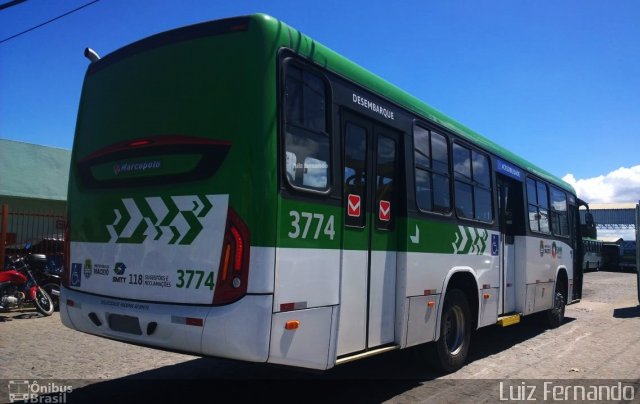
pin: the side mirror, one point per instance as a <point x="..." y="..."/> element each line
<point x="588" y="217"/>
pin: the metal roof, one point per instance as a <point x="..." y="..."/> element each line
<point x="612" y="216"/>
<point x="33" y="171"/>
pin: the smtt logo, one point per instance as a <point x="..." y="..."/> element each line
<point x="119" y="268"/>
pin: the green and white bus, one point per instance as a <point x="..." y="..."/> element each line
<point x="239" y="190"/>
<point x="592" y="254"/>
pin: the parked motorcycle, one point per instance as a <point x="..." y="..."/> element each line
<point x="48" y="274"/>
<point x="18" y="286"/>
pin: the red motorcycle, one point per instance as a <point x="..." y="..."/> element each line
<point x="18" y="286"/>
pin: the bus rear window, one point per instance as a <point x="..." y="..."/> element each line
<point x="154" y="161"/>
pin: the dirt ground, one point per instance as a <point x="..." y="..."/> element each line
<point x="599" y="344"/>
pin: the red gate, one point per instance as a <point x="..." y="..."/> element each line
<point x="44" y="231"/>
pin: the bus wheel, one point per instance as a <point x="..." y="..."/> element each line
<point x="449" y="352"/>
<point x="555" y="315"/>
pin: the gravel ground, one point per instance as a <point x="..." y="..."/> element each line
<point x="600" y="339"/>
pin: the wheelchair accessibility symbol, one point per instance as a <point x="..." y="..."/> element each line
<point x="495" y="239"/>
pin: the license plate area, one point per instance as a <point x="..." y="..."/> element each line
<point x="121" y="323"/>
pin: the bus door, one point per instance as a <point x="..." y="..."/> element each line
<point x="371" y="190"/>
<point x="511" y="219"/>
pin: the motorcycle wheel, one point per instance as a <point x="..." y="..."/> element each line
<point x="43" y="302"/>
<point x="53" y="290"/>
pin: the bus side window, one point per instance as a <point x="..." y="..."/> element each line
<point x="355" y="174"/>
<point x="307" y="148"/>
<point x="472" y="184"/>
<point x="538" y="201"/>
<point x="385" y="179"/>
<point x="559" y="216"/>
<point x="431" y="159"/>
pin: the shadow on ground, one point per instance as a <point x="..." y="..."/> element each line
<point x="19" y="314"/>
<point x="374" y="379"/>
<point x="627" y="312"/>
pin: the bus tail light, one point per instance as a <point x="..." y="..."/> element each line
<point x="233" y="274"/>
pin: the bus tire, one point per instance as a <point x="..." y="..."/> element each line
<point x="449" y="352"/>
<point x="555" y="315"/>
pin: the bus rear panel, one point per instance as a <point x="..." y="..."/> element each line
<point x="164" y="221"/>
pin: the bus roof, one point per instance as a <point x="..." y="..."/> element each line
<point x="337" y="63"/>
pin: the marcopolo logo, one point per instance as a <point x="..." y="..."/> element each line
<point x="136" y="166"/>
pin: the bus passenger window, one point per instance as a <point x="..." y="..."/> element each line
<point x="472" y="184"/>
<point x="431" y="154"/>
<point x="538" y="202"/>
<point x="306" y="143"/>
<point x="355" y="174"/>
<point x="385" y="174"/>
<point x="559" y="216"/>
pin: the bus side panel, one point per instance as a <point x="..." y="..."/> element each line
<point x="307" y="270"/>
<point x="306" y="277"/>
<point x="425" y="274"/>
<point x="240" y="330"/>
<point x="537" y="263"/>
<point x="421" y="324"/>
<point x="307" y="284"/>
<point x="306" y="345"/>
<point x="261" y="270"/>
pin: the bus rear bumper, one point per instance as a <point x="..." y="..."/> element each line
<point x="238" y="331"/>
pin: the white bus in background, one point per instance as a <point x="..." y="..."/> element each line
<point x="592" y="254"/>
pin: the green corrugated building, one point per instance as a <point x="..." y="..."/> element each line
<point x="33" y="177"/>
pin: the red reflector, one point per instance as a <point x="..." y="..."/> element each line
<point x="287" y="306"/>
<point x="194" y="321"/>
<point x="70" y="303"/>
<point x="139" y="143"/>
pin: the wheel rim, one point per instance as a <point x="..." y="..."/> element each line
<point x="454" y="330"/>
<point x="44" y="302"/>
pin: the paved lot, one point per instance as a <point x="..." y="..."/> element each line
<point x="600" y="339"/>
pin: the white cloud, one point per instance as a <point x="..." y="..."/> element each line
<point x="619" y="186"/>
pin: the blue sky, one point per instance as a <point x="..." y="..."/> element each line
<point x="557" y="82"/>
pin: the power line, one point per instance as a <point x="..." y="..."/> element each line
<point x="11" y="4"/>
<point x="49" y="21"/>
